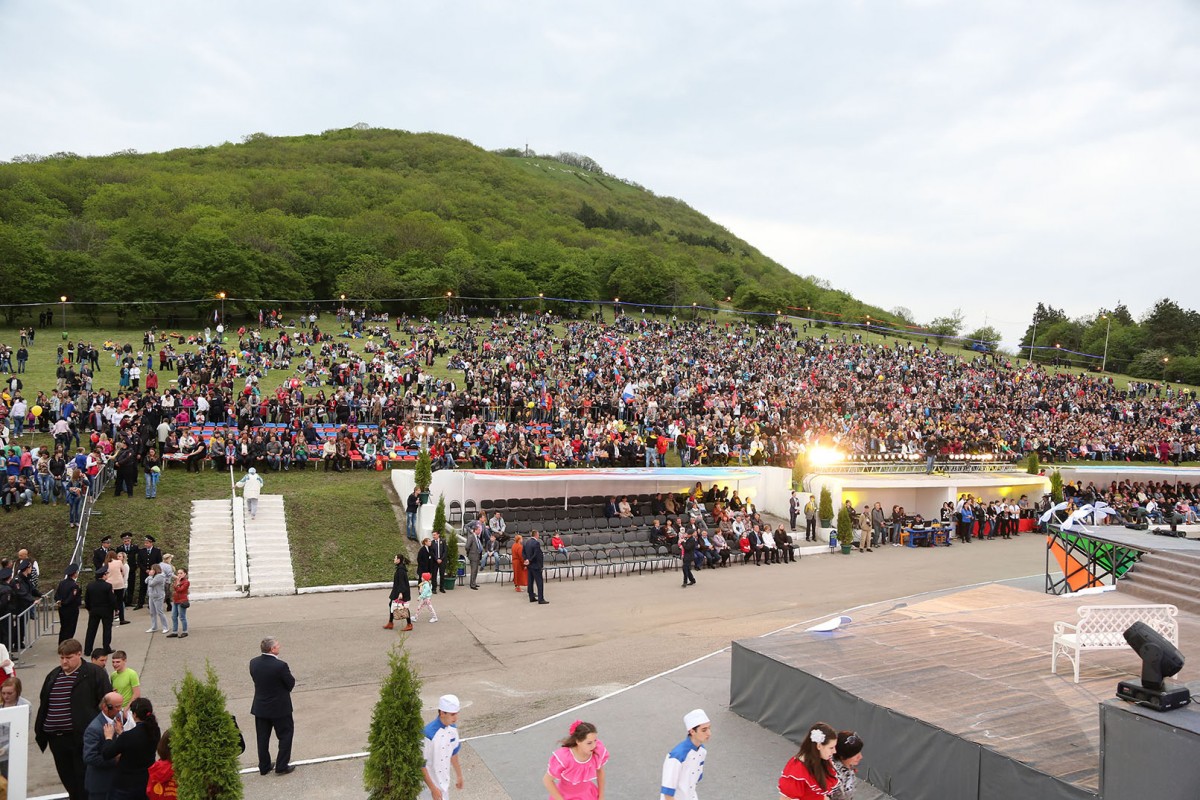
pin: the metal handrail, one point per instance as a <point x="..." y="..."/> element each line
<point x="914" y="467"/>
<point x="241" y="567"/>
<point x="85" y="513"/>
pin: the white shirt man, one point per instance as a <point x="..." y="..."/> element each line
<point x="440" y="751"/>
<point x="684" y="765"/>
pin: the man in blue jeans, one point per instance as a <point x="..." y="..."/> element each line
<point x="414" y="504"/>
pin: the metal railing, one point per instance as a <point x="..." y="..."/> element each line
<point x="19" y="631"/>
<point x="241" y="567"/>
<point x="95" y="489"/>
<point x="915" y="467"/>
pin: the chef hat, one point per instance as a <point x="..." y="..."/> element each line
<point x="448" y="703"/>
<point x="694" y="719"/>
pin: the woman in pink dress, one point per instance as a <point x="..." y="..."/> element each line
<point x="576" y="764"/>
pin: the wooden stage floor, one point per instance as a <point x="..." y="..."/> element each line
<point x="976" y="663"/>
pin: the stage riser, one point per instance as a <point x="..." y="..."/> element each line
<point x="1165" y="578"/>
<point x="906" y="757"/>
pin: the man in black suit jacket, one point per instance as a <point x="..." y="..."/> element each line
<point x="438" y="548"/>
<point x="272" y="707"/>
<point x="100" y="554"/>
<point x="531" y="549"/>
<point x="147" y="556"/>
<point x="101" y="604"/>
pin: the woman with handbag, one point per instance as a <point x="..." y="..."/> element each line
<point x="180" y="604"/>
<point x="400" y="594"/>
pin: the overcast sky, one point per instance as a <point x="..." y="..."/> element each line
<point x="974" y="155"/>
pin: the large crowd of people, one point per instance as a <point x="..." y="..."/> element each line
<point x="531" y="391"/>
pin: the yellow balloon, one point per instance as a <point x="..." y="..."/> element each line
<point x="36" y="411"/>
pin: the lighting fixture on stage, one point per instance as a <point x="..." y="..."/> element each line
<point x="1160" y="660"/>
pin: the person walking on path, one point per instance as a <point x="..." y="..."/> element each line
<point x="576" y="769"/>
<point x="424" y="599"/>
<point x="474" y="552"/>
<point x="68" y="598"/>
<point x="688" y="550"/>
<point x="532" y="553"/>
<point x="272" y="707"/>
<point x="251" y="486"/>
<point x="440" y="751"/>
<point x="684" y="765"/>
<point x="400" y="591"/>
<point x="70" y="696"/>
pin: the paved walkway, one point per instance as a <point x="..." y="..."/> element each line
<point x="514" y="663"/>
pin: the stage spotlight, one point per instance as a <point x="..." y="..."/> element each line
<point x="1160" y="660"/>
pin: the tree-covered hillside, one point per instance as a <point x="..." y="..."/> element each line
<point x="370" y="214"/>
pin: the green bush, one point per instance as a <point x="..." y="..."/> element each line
<point x="1056" y="486"/>
<point x="825" y="506"/>
<point x="393" y="767"/>
<point x="845" y="527"/>
<point x="204" y="741"/>
<point x="1033" y="466"/>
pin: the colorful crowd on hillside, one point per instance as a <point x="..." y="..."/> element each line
<point x="529" y="391"/>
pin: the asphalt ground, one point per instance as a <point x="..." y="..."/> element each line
<point x="515" y="664"/>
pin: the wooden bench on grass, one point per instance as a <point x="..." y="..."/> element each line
<point x="1103" y="628"/>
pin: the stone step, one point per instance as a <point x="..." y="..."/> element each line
<point x="269" y="550"/>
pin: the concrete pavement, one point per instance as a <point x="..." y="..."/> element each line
<point x="514" y="663"/>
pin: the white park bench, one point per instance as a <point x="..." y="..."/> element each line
<point x="1103" y="628"/>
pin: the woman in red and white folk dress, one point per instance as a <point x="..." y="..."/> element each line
<point x="809" y="775"/>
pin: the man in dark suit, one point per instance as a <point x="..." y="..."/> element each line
<point x="101" y="771"/>
<point x="100" y="554"/>
<point x="147" y="556"/>
<point x="272" y="707"/>
<point x="101" y="604"/>
<point x="68" y="598"/>
<point x="438" y="549"/>
<point x="531" y="549"/>
<point x="70" y="696"/>
<point x="131" y="557"/>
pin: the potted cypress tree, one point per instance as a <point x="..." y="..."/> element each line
<point x="394" y="745"/>
<point x="845" y="530"/>
<point x="423" y="474"/>
<point x="1056" y="486"/>
<point x="205" y="741"/>
<point x="825" y="507"/>
<point x="1033" y="467"/>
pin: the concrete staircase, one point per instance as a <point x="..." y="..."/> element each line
<point x="268" y="550"/>
<point x="210" y="551"/>
<point x="1165" y="577"/>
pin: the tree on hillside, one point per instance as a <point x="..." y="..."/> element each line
<point x="1172" y="328"/>
<point x="369" y="277"/>
<point x="949" y="325"/>
<point x="985" y="334"/>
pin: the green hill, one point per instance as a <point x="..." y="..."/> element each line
<point x="370" y="214"/>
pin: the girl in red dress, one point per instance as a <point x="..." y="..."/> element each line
<point x="809" y="774"/>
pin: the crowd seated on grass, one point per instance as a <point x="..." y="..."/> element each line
<point x="581" y="393"/>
